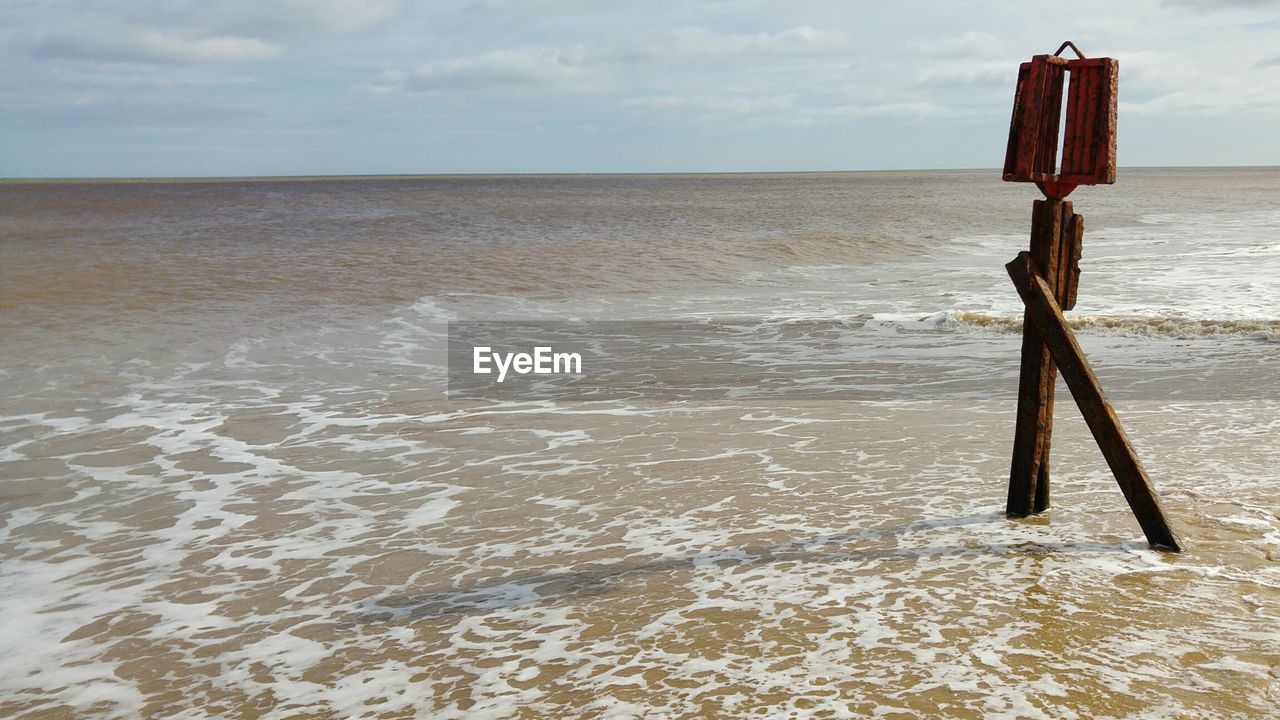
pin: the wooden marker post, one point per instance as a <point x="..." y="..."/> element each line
<point x="1055" y="246"/>
<point x="1048" y="276"/>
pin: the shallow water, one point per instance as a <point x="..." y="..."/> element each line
<point x="232" y="483"/>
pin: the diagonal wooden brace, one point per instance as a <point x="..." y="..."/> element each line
<point x="1044" y="312"/>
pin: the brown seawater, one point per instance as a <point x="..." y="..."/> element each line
<point x="232" y="483"/>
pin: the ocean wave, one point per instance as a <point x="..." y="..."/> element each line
<point x="1166" y="326"/>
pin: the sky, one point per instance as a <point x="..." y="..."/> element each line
<point x="323" y="87"/>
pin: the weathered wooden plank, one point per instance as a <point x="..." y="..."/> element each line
<point x="1050" y="118"/>
<point x="1073" y="146"/>
<point x="1029" y="466"/>
<point x="1073" y="250"/>
<point x="1030" y="122"/>
<point x="1044" y="312"/>
<point x="1062" y="278"/>
<point x="1033" y="127"/>
<point x="1016" y="120"/>
<point x="1106" y="125"/>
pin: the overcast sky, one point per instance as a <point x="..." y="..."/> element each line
<point x="284" y="87"/>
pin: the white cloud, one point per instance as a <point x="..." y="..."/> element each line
<point x="989" y="73"/>
<point x="790" y="109"/>
<point x="906" y="110"/>
<point x="238" y="31"/>
<point x="966" y="45"/>
<point x="1208" y="5"/>
<point x="1222" y="97"/>
<point x="152" y="46"/>
<point x="281" y="19"/>
<point x="1271" y="61"/>
<point x="693" y="41"/>
<point x="515" y="67"/>
<point x="1159" y="70"/>
<point x="715" y="104"/>
<point x="583" y="67"/>
<point x="1217" y="82"/>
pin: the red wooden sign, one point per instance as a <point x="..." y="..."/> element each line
<point x="1089" y="145"/>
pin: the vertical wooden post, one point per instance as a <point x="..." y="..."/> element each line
<point x="1056" y="235"/>
<point x="1029" y="470"/>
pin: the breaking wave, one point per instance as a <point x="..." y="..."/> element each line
<point x="1166" y="326"/>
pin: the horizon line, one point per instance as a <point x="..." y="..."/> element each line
<point x="601" y="173"/>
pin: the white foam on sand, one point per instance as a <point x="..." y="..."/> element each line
<point x="632" y="566"/>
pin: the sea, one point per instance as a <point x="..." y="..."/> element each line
<point x="234" y="481"/>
